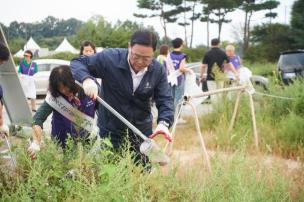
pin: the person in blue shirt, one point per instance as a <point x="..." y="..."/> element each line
<point x="131" y="79"/>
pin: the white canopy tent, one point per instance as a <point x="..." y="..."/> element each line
<point x="19" y="54"/>
<point x="31" y="45"/>
<point x="65" y="46"/>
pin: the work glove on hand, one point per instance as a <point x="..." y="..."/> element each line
<point x="33" y="149"/>
<point x="4" y="130"/>
<point x="90" y="88"/>
<point x="163" y="130"/>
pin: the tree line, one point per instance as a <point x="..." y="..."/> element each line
<point x="259" y="42"/>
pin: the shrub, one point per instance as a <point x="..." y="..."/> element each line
<point x="77" y="175"/>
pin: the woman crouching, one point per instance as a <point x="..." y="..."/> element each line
<point x="73" y="111"/>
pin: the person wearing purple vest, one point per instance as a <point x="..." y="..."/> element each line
<point x="234" y="59"/>
<point x="62" y="85"/>
<point x="179" y="62"/>
<point x="27" y="68"/>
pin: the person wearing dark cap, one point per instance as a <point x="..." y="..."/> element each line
<point x="4" y="56"/>
<point x="131" y="78"/>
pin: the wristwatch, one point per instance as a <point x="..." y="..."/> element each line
<point x="164" y="123"/>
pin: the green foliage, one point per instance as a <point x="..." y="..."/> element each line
<point x="104" y="34"/>
<point x="297" y="23"/>
<point x="62" y="56"/>
<point x="76" y="175"/>
<point x="268" y="41"/>
<point x="195" y="54"/>
<point x="261" y="68"/>
<point x="280" y="122"/>
<point x="291" y="132"/>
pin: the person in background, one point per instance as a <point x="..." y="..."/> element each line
<point x="215" y="57"/>
<point x="4" y="56"/>
<point x="164" y="59"/>
<point x="179" y="62"/>
<point x="234" y="59"/>
<point x="62" y="87"/>
<point x="27" y="68"/>
<point x="131" y="78"/>
<point x="87" y="48"/>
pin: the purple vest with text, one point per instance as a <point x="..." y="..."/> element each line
<point x="61" y="126"/>
<point x="177" y="58"/>
<point x="25" y="68"/>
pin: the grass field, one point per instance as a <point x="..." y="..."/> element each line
<point x="240" y="172"/>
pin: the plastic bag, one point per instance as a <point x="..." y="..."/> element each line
<point x="245" y="74"/>
<point x="191" y="88"/>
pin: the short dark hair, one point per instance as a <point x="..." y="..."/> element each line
<point x="4" y="52"/>
<point x="177" y="42"/>
<point x="87" y="43"/>
<point x="164" y="49"/>
<point x="144" y="37"/>
<point x="62" y="75"/>
<point x="215" y="42"/>
<point x="29" y="52"/>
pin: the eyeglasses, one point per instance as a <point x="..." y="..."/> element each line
<point x="145" y="59"/>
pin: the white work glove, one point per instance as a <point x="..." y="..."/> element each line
<point x="163" y="130"/>
<point x="4" y="130"/>
<point x="33" y="149"/>
<point x="90" y="88"/>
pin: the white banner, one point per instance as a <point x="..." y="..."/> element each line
<point x="68" y="111"/>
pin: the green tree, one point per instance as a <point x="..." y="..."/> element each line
<point x="218" y="9"/>
<point x="268" y="40"/>
<point x="166" y="10"/>
<point x="270" y="5"/>
<point x="249" y="7"/>
<point x="297" y="23"/>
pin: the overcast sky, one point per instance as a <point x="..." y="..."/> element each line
<point x="112" y="10"/>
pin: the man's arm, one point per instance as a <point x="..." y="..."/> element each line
<point x="164" y="100"/>
<point x="203" y="73"/>
<point x="183" y="68"/>
<point x="231" y="68"/>
<point x="87" y="67"/>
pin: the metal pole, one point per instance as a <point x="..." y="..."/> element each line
<point x="10" y="151"/>
<point x="236" y="106"/>
<point x="236" y="88"/>
<point x="169" y="145"/>
<point x="202" y="142"/>
<point x="255" y="131"/>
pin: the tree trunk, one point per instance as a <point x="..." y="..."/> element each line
<point x="208" y="41"/>
<point x="192" y="23"/>
<point x="163" y="22"/>
<point x="219" y="25"/>
<point x="245" y="39"/>
<point x="248" y="29"/>
<point x="185" y="25"/>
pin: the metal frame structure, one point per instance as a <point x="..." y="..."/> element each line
<point x="187" y="101"/>
<point x="14" y="98"/>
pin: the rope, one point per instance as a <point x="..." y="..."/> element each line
<point x="274" y="96"/>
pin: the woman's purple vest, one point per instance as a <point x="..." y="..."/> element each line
<point x="25" y="68"/>
<point x="177" y="58"/>
<point x="61" y="126"/>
